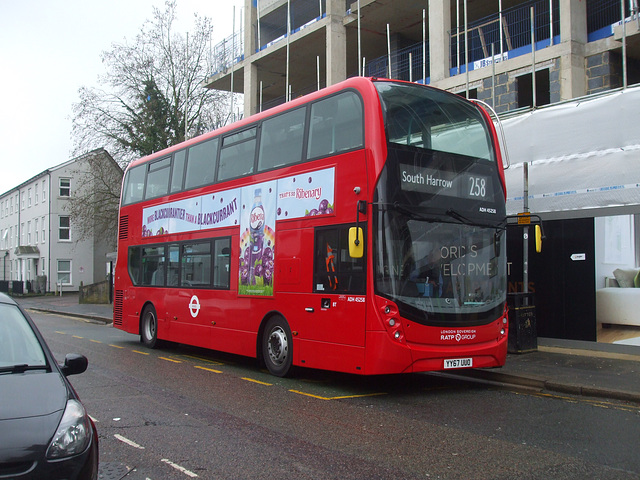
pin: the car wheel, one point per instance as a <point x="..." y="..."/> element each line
<point x="149" y="327"/>
<point x="277" y="347"/>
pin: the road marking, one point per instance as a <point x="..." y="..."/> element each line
<point x="115" y="346"/>
<point x="594" y="403"/>
<point x="208" y="369"/>
<point x="338" y="398"/>
<point x="61" y="333"/>
<point x="76" y="336"/>
<point x="257" y="381"/>
<point x="180" y="468"/>
<point x="202" y="359"/>
<point x="131" y="443"/>
<point x="170" y="359"/>
<point x="95" y="341"/>
<point x="141" y="353"/>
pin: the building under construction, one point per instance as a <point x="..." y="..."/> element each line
<point x="560" y="73"/>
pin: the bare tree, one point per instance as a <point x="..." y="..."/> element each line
<point x="93" y="207"/>
<point x="151" y="94"/>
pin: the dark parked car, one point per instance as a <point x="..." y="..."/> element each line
<point x="45" y="432"/>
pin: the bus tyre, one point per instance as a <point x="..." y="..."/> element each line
<point x="149" y="327"/>
<point x="277" y="347"/>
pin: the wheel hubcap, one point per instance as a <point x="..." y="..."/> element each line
<point x="150" y="326"/>
<point x="278" y="346"/>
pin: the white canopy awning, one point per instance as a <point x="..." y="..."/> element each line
<point x="583" y="154"/>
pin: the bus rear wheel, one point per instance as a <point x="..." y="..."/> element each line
<point x="277" y="346"/>
<point x="149" y="327"/>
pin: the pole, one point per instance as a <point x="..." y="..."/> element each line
<point x="388" y="52"/>
<point x="500" y="28"/>
<point x="260" y="95"/>
<point x="533" y="59"/>
<point x="424" y="46"/>
<point x="466" y="49"/>
<point x="458" y="34"/>
<point x="258" y="12"/>
<point x="624" y="46"/>
<point x="525" y="233"/>
<point x="233" y="47"/>
<point x="286" y="91"/>
<point x="493" y="76"/>
<point x="186" y="100"/>
<point x="318" y="70"/>
<point x="410" y="68"/>
<point x="550" y="23"/>
<point x="359" y="43"/>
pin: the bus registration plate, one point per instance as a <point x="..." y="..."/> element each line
<point x="458" y="363"/>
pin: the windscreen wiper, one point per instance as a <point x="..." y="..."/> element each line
<point x="21" y="368"/>
<point x="434" y="215"/>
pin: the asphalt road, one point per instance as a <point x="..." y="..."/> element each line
<point x="180" y="413"/>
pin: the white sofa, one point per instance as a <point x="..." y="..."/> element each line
<point x="617" y="305"/>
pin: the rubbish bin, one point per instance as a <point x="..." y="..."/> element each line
<point x="523" y="336"/>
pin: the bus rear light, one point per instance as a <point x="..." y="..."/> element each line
<point x="502" y="332"/>
<point x="392" y="322"/>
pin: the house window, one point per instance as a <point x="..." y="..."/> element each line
<point x="29" y="198"/>
<point x="44" y="192"/>
<point x="64" y="272"/>
<point x="65" y="187"/>
<point x="35" y="187"/>
<point x="35" y="230"/>
<point x="43" y="229"/>
<point x="64" y="230"/>
<point x="29" y="233"/>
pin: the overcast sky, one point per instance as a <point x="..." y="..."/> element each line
<point x="49" y="49"/>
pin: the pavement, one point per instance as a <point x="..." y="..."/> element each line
<point x="591" y="369"/>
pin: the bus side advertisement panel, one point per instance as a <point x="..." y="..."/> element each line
<point x="257" y="239"/>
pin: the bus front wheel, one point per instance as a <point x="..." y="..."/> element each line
<point x="277" y="347"/>
<point x="149" y="327"/>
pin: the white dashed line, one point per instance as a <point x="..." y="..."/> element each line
<point x="179" y="468"/>
<point x="128" y="442"/>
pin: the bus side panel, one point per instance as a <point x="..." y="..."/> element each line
<point x="329" y="356"/>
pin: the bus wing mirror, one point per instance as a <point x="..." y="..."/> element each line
<point x="538" y="238"/>
<point x="356" y="244"/>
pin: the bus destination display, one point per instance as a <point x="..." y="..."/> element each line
<point x="469" y="185"/>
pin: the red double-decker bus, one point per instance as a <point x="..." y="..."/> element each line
<point x="356" y="229"/>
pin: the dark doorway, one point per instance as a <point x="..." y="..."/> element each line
<point x="562" y="277"/>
